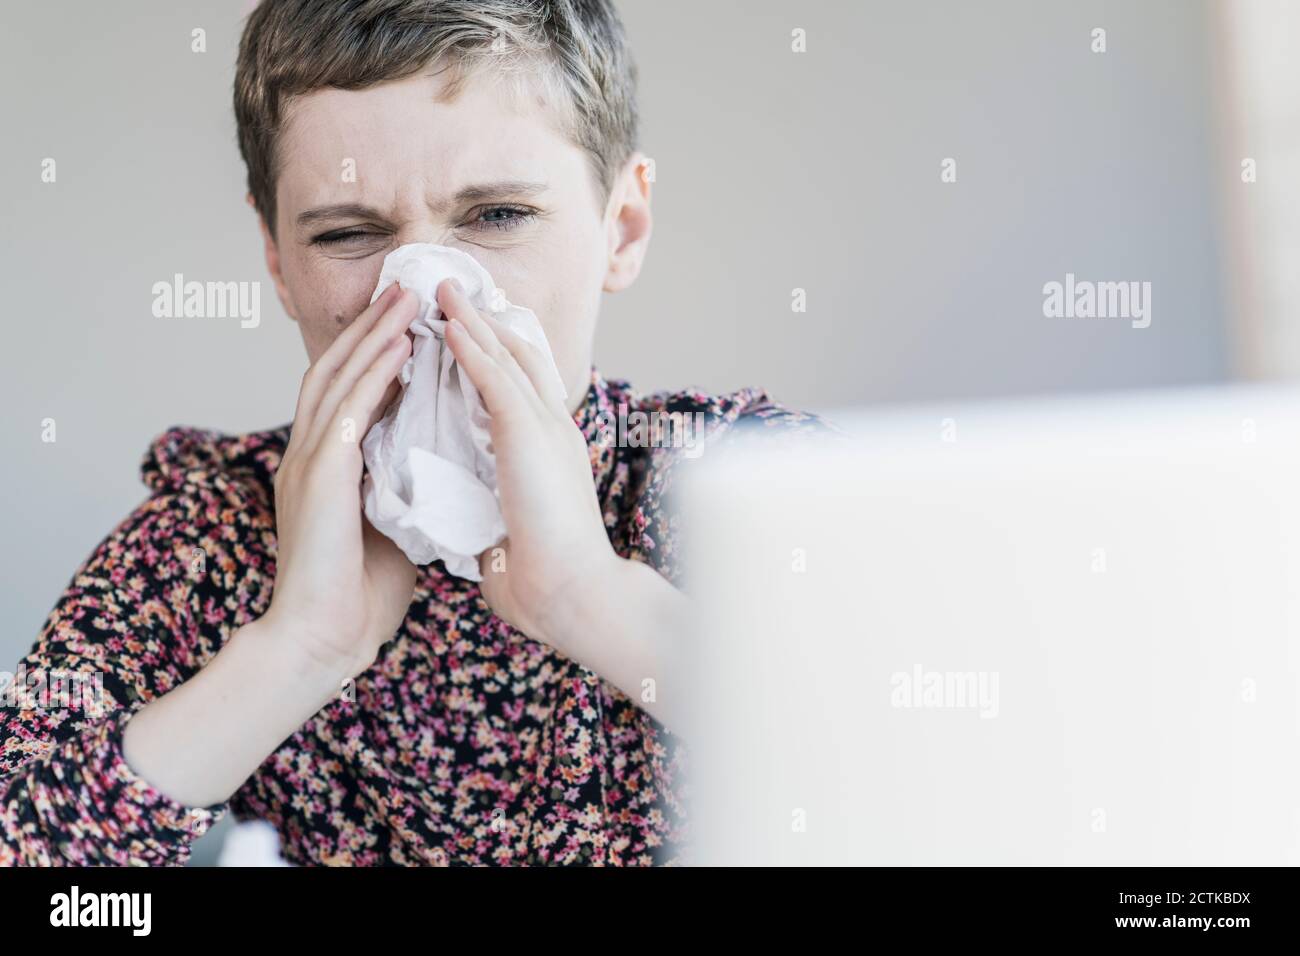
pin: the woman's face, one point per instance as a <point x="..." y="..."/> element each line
<point x="363" y="172"/>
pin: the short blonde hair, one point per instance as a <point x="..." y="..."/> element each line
<point x="576" y="48"/>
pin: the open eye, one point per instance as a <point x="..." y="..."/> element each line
<point x="501" y="217"/>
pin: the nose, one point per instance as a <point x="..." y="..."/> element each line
<point x="424" y="230"/>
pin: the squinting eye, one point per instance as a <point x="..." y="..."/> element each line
<point x="332" y="238"/>
<point x="502" y="217"/>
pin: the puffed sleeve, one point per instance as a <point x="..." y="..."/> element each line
<point x="130" y="626"/>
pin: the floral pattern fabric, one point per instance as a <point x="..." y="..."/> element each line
<point x="466" y="743"/>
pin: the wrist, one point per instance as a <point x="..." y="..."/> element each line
<point x="577" y="604"/>
<point x="299" y="652"/>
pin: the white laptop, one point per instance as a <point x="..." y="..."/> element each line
<point x="1048" y="631"/>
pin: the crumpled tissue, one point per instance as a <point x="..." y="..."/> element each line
<point x="431" y="481"/>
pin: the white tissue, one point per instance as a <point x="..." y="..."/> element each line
<point x="431" y="478"/>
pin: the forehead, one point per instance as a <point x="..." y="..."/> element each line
<point x="406" y="134"/>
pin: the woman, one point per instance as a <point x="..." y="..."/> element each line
<point x="262" y="648"/>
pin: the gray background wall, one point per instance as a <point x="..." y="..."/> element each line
<point x="775" y="170"/>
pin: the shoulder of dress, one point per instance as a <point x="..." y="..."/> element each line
<point x="185" y="459"/>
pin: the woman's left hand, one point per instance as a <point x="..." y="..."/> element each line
<point x="556" y="549"/>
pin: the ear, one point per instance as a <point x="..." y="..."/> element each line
<point x="272" y="253"/>
<point x="628" y="222"/>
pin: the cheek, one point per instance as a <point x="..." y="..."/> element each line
<point x="547" y="284"/>
<point x="566" y="309"/>
<point x="553" y="278"/>
<point x="329" y="295"/>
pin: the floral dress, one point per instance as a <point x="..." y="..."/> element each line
<point x="466" y="743"/>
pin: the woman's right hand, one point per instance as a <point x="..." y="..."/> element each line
<point x="342" y="589"/>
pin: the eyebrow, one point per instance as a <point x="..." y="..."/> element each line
<point x="474" y="193"/>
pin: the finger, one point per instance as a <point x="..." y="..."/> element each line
<point x="500" y="394"/>
<point x="322" y="371"/>
<point x="386" y="400"/>
<point x="392" y="325"/>
<point x="373" y="345"/>
<point x="364" y="403"/>
<point x="456" y="304"/>
<point x="535" y="364"/>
